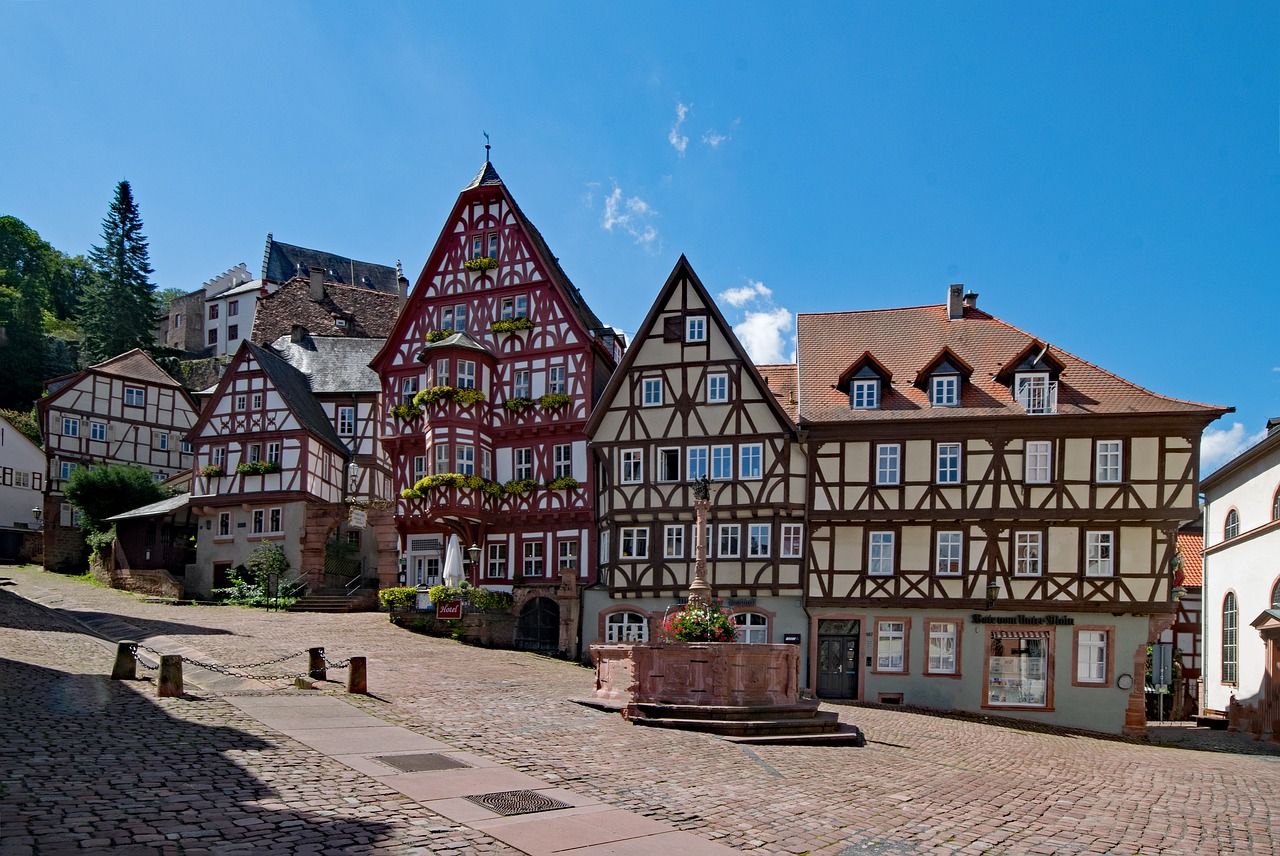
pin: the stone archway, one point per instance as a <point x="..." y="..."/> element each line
<point x="538" y="625"/>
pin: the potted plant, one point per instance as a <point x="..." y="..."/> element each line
<point x="213" y="471"/>
<point x="700" y="623"/>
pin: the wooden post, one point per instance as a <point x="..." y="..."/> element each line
<point x="315" y="667"/>
<point x="126" y="665"/>
<point x="170" y="685"/>
<point x="357" y="677"/>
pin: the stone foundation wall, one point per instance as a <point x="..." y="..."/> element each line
<point x="701" y="673"/>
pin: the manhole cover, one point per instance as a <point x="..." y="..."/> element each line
<point x="421" y="763"/>
<point x="517" y="802"/>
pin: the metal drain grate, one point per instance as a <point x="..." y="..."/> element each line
<point x="421" y="763"/>
<point x="517" y="802"/>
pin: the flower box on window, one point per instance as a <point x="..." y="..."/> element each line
<point x="510" y="325"/>
<point x="464" y="395"/>
<point x="213" y="471"/>
<point x="258" y="468"/>
<point x="438" y="335"/>
<point x="407" y="412"/>
<point x="481" y="264"/>
<point x="553" y="400"/>
<point x="515" y="405"/>
<point x="518" y="486"/>
<point x="562" y="483"/>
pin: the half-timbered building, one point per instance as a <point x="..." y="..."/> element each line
<point x="688" y="402"/>
<point x="487" y="381"/>
<point x="22" y="470"/>
<point x="992" y="520"/>
<point x="125" y="410"/>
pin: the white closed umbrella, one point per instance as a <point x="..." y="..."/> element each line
<point x="453" y="562"/>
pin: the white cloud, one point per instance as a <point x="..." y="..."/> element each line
<point x="633" y="216"/>
<point x="1219" y="445"/>
<point x="679" y="141"/>
<point x="740" y="297"/>
<point x="766" y="331"/>
<point x="714" y="138"/>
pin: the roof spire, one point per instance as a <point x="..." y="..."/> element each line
<point x="486" y="146"/>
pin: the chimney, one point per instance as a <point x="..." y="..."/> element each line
<point x="971" y="300"/>
<point x="402" y="284"/>
<point x="317" y="284"/>
<point x="955" y="305"/>
<point x="297" y="333"/>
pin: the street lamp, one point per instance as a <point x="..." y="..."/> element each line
<point x="473" y="553"/>
<point x="36" y="513"/>
<point x="993" y="592"/>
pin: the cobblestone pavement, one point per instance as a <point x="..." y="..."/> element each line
<point x="924" y="784"/>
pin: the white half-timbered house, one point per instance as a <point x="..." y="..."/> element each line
<point x="22" y="472"/>
<point x="125" y="410"/>
<point x="687" y="402"/>
<point x="992" y="520"/>
<point x="487" y="381"/>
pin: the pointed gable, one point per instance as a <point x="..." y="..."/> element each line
<point x="866" y="366"/>
<point x="1035" y="357"/>
<point x="944" y="362"/>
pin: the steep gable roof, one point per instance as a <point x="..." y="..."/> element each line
<point x="368" y="314"/>
<point x="295" y="388"/>
<point x="781" y="378"/>
<point x="136" y="365"/>
<point x="332" y="365"/>
<point x="282" y="262"/>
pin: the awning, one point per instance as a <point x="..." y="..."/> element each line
<point x="155" y="509"/>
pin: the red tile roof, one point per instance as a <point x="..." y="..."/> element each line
<point x="1191" y="546"/>
<point x="782" y="382"/>
<point x="904" y="341"/>
<point x="135" y="365"/>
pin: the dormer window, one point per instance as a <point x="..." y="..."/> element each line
<point x="1032" y="378"/>
<point x="1035" y="392"/>
<point x="942" y="377"/>
<point x="864" y="394"/>
<point x="944" y="390"/>
<point x="866" y="382"/>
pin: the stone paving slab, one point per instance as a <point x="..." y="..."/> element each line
<point x="553" y="832"/>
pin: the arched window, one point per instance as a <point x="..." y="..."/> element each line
<point x="626" y="627"/>
<point x="1229" y="625"/>
<point x="1275" y="507"/>
<point x="752" y="627"/>
<point x="1232" y="529"/>
<point x="1275" y="595"/>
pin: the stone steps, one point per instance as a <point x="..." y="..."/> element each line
<point x="324" y="603"/>
<point x="801" y="724"/>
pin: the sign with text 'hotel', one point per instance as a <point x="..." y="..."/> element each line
<point x="449" y="609"/>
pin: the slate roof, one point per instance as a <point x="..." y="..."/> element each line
<point x="295" y="388"/>
<point x="136" y="365"/>
<point x="1191" y="547"/>
<point x="455" y="340"/>
<point x="906" y="340"/>
<point x="368" y="314"/>
<point x="282" y="262"/>
<point x="782" y="382"/>
<point x="333" y="365"/>
<point x="155" y="509"/>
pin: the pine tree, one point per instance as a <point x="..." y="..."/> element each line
<point x="119" y="308"/>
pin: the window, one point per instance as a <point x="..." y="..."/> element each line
<point x="948" y="463"/>
<point x="891" y="646"/>
<point x="443" y="460"/>
<point x="1232" y="529"/>
<point x="523" y="464"/>
<point x="135" y="396"/>
<point x="567" y="556"/>
<point x="625" y="627"/>
<point x="1017" y="668"/>
<point x="233" y="331"/>
<point x="721" y="463"/>
<point x="1275" y="595"/>
<point x="273" y="452"/>
<point x="520" y="387"/>
<point x="562" y="461"/>
<point x="792" y="540"/>
<point x="177" y="319"/>
<point x="673" y="542"/>
<point x="419" y="468"/>
<point x="697" y="463"/>
<point x="467" y="374"/>
<point x="695" y="328"/>
<point x="1109" y="458"/>
<point x="346" y="420"/>
<point x="880" y="554"/>
<point x="460" y="318"/>
<point x="753" y="628"/>
<point x="162" y="442"/>
<point x="213" y="336"/>
<point x="1091" y="657"/>
<point x="493" y="246"/>
<point x="97" y="431"/>
<point x="274" y="520"/>
<point x="632" y="467"/>
<point x="496" y="567"/>
<point x="635" y="543"/>
<point x="888" y="463"/>
<point x="442" y="372"/>
<point x="486" y="464"/>
<point x="864" y="394"/>
<point x="70" y="427"/>
<point x="408" y="389"/>
<point x="68" y="515"/>
<point x="515" y="307"/>
<point x="556" y="384"/>
<point x="259" y="521"/>
<point x="186" y="447"/>
<point x="218" y="456"/>
<point x="950" y="553"/>
<point x="1036" y="394"/>
<point x="758" y="535"/>
<point x="944" y="390"/>
<point x="1275" y="507"/>
<point x="66" y="468"/>
<point x="730" y="536"/>
<point x="257" y="401"/>
<point x="466" y="459"/>
<point x="944" y="645"/>
<point x="255" y="452"/>
<point x="213" y="311"/>
<point x="668" y="465"/>
<point x="1027" y="554"/>
<point x="750" y="459"/>
<point x="224" y="524"/>
<point x="1098" y="554"/>
<point x="477" y="246"/>
<point x="717" y="388"/>
<point x="604" y="547"/>
<point x="1038" y="459"/>
<point x="533" y="558"/>
<point x="652" y="388"/>
<point x="233" y="308"/>
<point x="1230" y="619"/>
<point x="241" y="402"/>
<point x="427" y="570"/>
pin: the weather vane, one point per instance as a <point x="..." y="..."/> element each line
<point x="486" y="146"/>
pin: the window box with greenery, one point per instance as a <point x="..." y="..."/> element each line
<point x="554" y="400"/>
<point x="511" y="325"/>
<point x="563" y="483"/>
<point x="443" y="480"/>
<point x="515" y="405"/>
<point x="258" y="468"/>
<point x="463" y="396"/>
<point x="407" y="412"/>
<point x="518" y="486"/>
<point x="438" y="335"/>
<point x="213" y="471"/>
<point x="481" y="264"/>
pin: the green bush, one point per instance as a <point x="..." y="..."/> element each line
<point x="100" y="542"/>
<point x="398" y="598"/>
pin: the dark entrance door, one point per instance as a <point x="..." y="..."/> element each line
<point x="538" y="626"/>
<point x="838" y="658"/>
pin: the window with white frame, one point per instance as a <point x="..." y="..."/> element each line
<point x="632" y="461"/>
<point x="70" y="427"/>
<point x="419" y="468"/>
<point x="346" y="420"/>
<point x="477" y="246"/>
<point x="259" y="521"/>
<point x="257" y="401"/>
<point x="442" y="372"/>
<point x="891" y="646"/>
<point x="1035" y="393"/>
<point x="466" y="459"/>
<point x="717" y="388"/>
<point x="695" y="328"/>
<point x="218" y="456"/>
<point x="1028" y="554"/>
<point x="567" y="555"/>
<point x="1038" y="462"/>
<point x="1109" y="463"/>
<point x="241" y="402"/>
<point x="460" y="318"/>
<point x="427" y="570"/>
<point x="1230" y="639"/>
<point x="523" y="464"/>
<point x="880" y="554"/>
<point x="888" y="463"/>
<point x="135" y="396"/>
<point x="948" y="463"/>
<point x="486" y="463"/>
<point x="556" y="383"/>
<point x="162" y="441"/>
<point x="1091" y="656"/>
<point x="792" y="540"/>
<point x="408" y="389"/>
<point x="944" y="642"/>
<point x="673" y="541"/>
<point x="604" y="547"/>
<point x="730" y="537"/>
<point x="255" y="452"/>
<point x="864" y="394"/>
<point x="533" y="558"/>
<point x="467" y="374"/>
<point x="562" y="461"/>
<point x="1098" y="554"/>
<point x="950" y="553"/>
<point x="668" y="465"/>
<point x="634" y="542"/>
<point x="1232" y="527"/>
<point x="493" y="246"/>
<point x="750" y="460"/>
<point x="651" y="388"/>
<point x="98" y="431"/>
<point x="721" y="463"/>
<point x="625" y="627"/>
<point x="944" y="390"/>
<point x="496" y="565"/>
<point x="515" y="307"/>
<point x="68" y="515"/>
<point x="758" y="537"/>
<point x="446" y="318"/>
<point x="224" y="524"/>
<point x="697" y="458"/>
<point x="65" y="469"/>
<point x="275" y="520"/>
<point x="520" y="387"/>
<point x="186" y="447"/>
<point x="752" y="628"/>
<point x="443" y="460"/>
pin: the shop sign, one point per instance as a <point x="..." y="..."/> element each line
<point x="359" y="518"/>
<point x="449" y="609"/>
<point x="979" y="618"/>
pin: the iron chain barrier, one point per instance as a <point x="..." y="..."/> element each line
<point x="241" y="670"/>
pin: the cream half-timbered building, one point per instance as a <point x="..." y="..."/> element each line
<point x="125" y="410"/>
<point x="490" y="373"/>
<point x="992" y="519"/>
<point x="687" y="402"/>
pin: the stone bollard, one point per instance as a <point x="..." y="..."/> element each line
<point x="170" y="685"/>
<point x="126" y="665"/>
<point x="315" y="666"/>
<point x="357" y="677"/>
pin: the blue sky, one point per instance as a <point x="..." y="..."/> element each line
<point x="1106" y="176"/>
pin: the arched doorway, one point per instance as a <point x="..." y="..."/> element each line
<point x="538" y="626"/>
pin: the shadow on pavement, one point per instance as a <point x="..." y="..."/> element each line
<point x="107" y="623"/>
